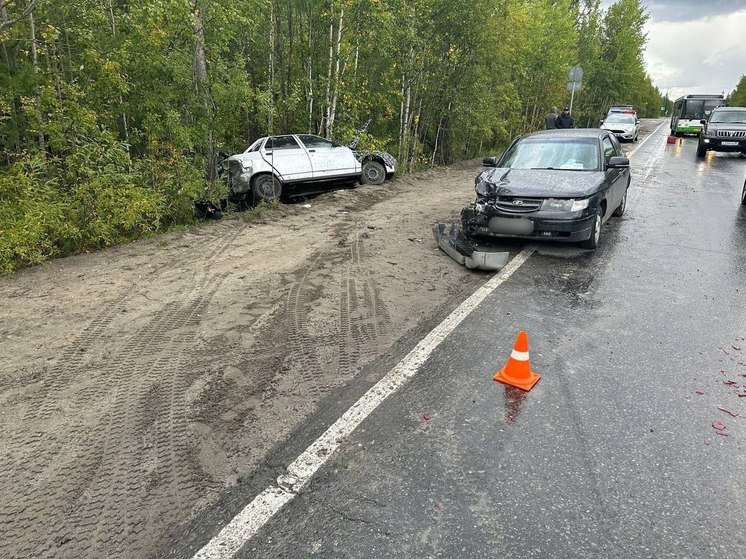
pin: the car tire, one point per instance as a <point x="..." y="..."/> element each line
<point x="373" y="172"/>
<point x="266" y="188"/>
<point x="592" y="242"/>
<point x="743" y="194"/>
<point x="701" y="149"/>
<point x="619" y="212"/>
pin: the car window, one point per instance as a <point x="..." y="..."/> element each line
<point x="281" y="142"/>
<point x="571" y="154"/>
<point x="314" y="141"/>
<point x="609" y="150"/>
<point x="620" y="118"/>
<point x="732" y="117"/>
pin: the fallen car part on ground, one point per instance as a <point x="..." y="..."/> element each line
<point x="455" y="244"/>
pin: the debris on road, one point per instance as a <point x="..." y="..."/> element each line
<point x="729" y="412"/>
<point x="719" y="425"/>
<point x="455" y="244"/>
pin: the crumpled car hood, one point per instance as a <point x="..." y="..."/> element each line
<point x="541" y="183"/>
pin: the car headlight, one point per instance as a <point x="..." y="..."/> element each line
<point x="564" y="204"/>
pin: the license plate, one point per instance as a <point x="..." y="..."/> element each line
<point x="510" y="226"/>
<point x="729" y="143"/>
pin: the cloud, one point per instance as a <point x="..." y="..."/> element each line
<point x="687" y="10"/>
<point x="698" y="56"/>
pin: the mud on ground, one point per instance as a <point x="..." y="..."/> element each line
<point x="139" y="382"/>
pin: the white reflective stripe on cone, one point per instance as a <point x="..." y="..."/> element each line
<point x="519" y="355"/>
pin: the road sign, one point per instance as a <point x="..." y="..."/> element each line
<point x="576" y="74"/>
<point x="574" y="86"/>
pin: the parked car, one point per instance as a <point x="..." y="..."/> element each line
<point x="723" y="130"/>
<point x="623" y="125"/>
<point x="560" y="185"/>
<point x="626" y="109"/>
<point x="277" y="165"/>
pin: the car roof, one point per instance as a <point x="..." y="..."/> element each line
<point x="580" y="133"/>
<point x="729" y="109"/>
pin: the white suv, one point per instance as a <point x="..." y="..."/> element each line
<point x="272" y="164"/>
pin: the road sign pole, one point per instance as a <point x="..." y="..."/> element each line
<point x="572" y="96"/>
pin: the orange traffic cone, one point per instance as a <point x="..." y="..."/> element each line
<point x="517" y="371"/>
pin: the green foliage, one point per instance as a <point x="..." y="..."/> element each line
<point x="111" y="113"/>
<point x="738" y="96"/>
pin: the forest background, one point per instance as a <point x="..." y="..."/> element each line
<point x="113" y="112"/>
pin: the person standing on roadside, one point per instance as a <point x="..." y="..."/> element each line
<point x="551" y="119"/>
<point x="565" y="119"/>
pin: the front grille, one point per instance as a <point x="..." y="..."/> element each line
<point x="732" y="133"/>
<point x="619" y="131"/>
<point x="514" y="205"/>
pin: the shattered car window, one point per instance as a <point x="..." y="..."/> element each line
<point x="255" y="146"/>
<point x="572" y="154"/>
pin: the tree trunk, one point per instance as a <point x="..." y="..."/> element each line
<point x="327" y="98"/>
<point x="201" y="85"/>
<point x="333" y="110"/>
<point x="310" y="76"/>
<point x="35" y="62"/>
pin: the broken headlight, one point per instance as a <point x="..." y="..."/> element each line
<point x="484" y="189"/>
<point x="564" y="204"/>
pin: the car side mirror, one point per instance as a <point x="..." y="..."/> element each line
<point x="703" y="121"/>
<point x="618" y="161"/>
<point x="489" y="161"/>
<point x="602" y="121"/>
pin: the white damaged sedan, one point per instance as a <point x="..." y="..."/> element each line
<point x="274" y="165"/>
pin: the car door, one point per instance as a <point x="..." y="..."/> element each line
<point x="615" y="177"/>
<point x="288" y="158"/>
<point x="329" y="159"/>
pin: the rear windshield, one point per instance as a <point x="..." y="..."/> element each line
<point x="732" y="117"/>
<point x="571" y="154"/>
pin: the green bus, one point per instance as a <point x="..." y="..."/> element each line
<point x="690" y="109"/>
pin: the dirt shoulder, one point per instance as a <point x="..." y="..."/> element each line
<point x="139" y="382"/>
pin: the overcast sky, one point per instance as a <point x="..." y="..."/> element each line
<point x="695" y="46"/>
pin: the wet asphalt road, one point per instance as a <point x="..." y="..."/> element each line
<point x="613" y="453"/>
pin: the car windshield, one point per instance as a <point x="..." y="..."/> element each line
<point x="732" y="117"/>
<point x="255" y="146"/>
<point x="620" y="118"/>
<point x="570" y="154"/>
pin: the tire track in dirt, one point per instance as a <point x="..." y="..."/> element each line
<point x="86" y="485"/>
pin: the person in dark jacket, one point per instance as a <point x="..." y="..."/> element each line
<point x="551" y="119"/>
<point x="565" y="119"/>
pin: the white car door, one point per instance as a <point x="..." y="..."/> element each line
<point x="288" y="158"/>
<point x="329" y="159"/>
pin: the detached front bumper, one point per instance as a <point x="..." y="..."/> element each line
<point x="484" y="220"/>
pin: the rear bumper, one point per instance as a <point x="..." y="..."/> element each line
<point x="570" y="227"/>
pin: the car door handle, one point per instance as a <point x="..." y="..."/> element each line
<point x="268" y="152"/>
<point x="311" y="151"/>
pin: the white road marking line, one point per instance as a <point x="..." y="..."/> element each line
<point x="248" y="522"/>
<point x="631" y="153"/>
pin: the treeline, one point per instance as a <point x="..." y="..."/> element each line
<point x="112" y="112"/>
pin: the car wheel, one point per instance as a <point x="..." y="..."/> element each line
<point x="592" y="242"/>
<point x="373" y="172"/>
<point x="743" y="194"/>
<point x="266" y="188"/>
<point x="619" y="212"/>
<point x="701" y="149"/>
